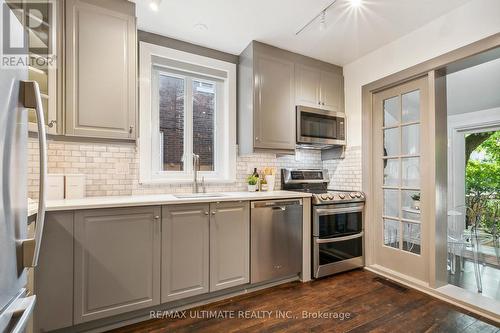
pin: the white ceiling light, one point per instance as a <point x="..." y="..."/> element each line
<point x="201" y="27"/>
<point x="321" y="15"/>
<point x="356" y="3"/>
<point x="155" y="5"/>
<point x="322" y="22"/>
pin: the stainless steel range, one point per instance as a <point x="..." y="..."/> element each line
<point x="337" y="221"/>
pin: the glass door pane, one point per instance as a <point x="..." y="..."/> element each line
<point x="401" y="178"/>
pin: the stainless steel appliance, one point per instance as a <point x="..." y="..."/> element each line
<point x="276" y="239"/>
<point x="319" y="129"/>
<point x="17" y="253"/>
<point x="337" y="221"/>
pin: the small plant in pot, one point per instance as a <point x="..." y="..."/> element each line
<point x="416" y="201"/>
<point x="252" y="183"/>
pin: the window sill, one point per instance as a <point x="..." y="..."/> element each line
<point x="183" y="181"/>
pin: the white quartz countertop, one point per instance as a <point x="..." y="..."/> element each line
<point x="166" y="199"/>
<point x="32" y="208"/>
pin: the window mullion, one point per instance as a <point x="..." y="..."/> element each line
<point x="188" y="126"/>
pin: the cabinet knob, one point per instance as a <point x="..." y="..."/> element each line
<point x="256" y="138"/>
<point x="131" y="129"/>
<point x="319" y="102"/>
<point x="206" y="213"/>
<point x="157" y="217"/>
<point x="52" y="123"/>
<point x="213" y="212"/>
<point x="322" y="103"/>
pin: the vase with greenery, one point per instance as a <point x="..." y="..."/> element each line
<point x="252" y="183"/>
<point x="416" y="200"/>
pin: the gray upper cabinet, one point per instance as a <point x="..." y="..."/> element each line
<point x="266" y="86"/>
<point x="332" y="91"/>
<point x="271" y="82"/>
<point x="308" y="81"/>
<point x="319" y="88"/>
<point x="117" y="261"/>
<point x="229" y="244"/>
<point x="274" y="103"/>
<point x="185" y="251"/>
<point x="100" y="69"/>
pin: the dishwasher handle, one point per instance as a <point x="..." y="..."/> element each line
<point x="277" y="204"/>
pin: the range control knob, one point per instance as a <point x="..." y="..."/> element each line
<point x="324" y="197"/>
<point x="342" y="196"/>
<point x="352" y="195"/>
<point x="330" y="196"/>
<point x="358" y="195"/>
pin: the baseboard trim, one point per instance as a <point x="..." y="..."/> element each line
<point x="440" y="293"/>
<point x="106" y="324"/>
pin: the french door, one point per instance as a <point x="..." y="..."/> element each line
<point x="399" y="115"/>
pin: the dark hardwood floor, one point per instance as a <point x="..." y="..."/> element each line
<point x="372" y="304"/>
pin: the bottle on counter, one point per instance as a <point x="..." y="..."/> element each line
<point x="256" y="174"/>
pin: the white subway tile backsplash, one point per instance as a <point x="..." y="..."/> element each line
<point x="113" y="169"/>
<point x="345" y="174"/>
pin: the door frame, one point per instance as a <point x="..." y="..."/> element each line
<point x="459" y="125"/>
<point x="436" y="171"/>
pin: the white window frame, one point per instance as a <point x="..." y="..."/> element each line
<point x="225" y="117"/>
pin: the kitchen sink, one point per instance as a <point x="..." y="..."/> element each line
<point x="198" y="195"/>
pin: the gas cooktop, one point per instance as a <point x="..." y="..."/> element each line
<point x="316" y="181"/>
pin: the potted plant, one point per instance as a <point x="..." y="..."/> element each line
<point x="252" y="183"/>
<point x="416" y="200"/>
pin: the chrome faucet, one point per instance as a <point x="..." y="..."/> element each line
<point x="196" y="168"/>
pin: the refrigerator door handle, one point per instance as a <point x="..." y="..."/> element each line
<point x="33" y="100"/>
<point x="19" y="312"/>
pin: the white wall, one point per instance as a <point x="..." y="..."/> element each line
<point x="473" y="21"/>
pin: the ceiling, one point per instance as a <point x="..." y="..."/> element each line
<point x="474" y="89"/>
<point x="349" y="34"/>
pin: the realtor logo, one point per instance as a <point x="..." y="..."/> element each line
<point x="27" y="33"/>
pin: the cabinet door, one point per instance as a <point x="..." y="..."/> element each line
<point x="185" y="251"/>
<point x="100" y="68"/>
<point x="229" y="245"/>
<point x="307" y="86"/>
<point x="332" y="95"/>
<point x="117" y="261"/>
<point x="274" y="111"/>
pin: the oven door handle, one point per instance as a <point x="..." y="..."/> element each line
<point x="338" y="239"/>
<point x="324" y="211"/>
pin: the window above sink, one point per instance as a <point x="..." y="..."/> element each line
<point x="188" y="106"/>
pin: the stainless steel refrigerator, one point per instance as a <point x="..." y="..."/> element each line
<point x="17" y="252"/>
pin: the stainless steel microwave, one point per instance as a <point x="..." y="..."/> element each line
<point x="320" y="128"/>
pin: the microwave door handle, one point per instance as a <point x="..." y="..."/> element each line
<point x="31" y="247"/>
<point x="338" y="239"/>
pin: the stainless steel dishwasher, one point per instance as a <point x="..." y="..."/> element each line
<point x="276" y="239"/>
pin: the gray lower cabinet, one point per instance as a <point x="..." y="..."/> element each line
<point x="53" y="277"/>
<point x="185" y="251"/>
<point x="205" y="248"/>
<point x="116" y="262"/>
<point x="229" y="244"/>
<point x="100" y="69"/>
<point x="98" y="263"/>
